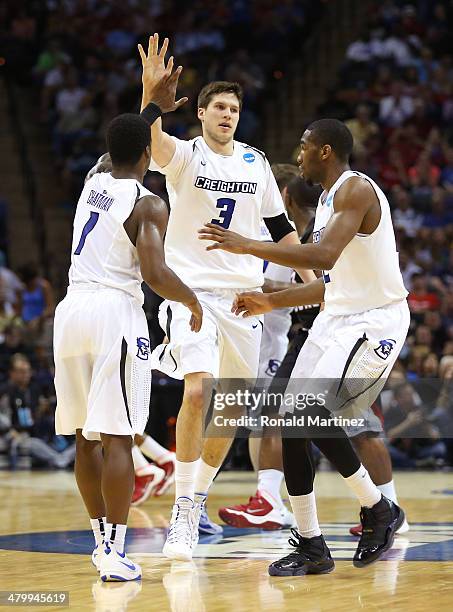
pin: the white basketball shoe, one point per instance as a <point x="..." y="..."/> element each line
<point x="182" y="534"/>
<point x="117" y="567"/>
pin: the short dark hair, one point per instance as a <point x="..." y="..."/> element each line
<point x="334" y="133"/>
<point x="283" y="174"/>
<point x="127" y="137"/>
<point x="303" y="194"/>
<point x="218" y="87"/>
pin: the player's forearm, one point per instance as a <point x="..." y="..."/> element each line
<point x="270" y="286"/>
<point x="299" y="256"/>
<point x="170" y="287"/>
<point x="304" y="295"/>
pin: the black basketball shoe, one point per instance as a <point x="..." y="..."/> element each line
<point x="379" y="526"/>
<point x="310" y="557"/>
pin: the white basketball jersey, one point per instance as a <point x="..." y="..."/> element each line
<point x="102" y="252"/>
<point x="367" y="273"/>
<point x="233" y="191"/>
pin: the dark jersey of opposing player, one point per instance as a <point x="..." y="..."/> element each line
<point x="305" y="315"/>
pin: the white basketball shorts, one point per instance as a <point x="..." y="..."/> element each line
<point x="102" y="363"/>
<point x="227" y="346"/>
<point x="355" y="353"/>
<point x="274" y="343"/>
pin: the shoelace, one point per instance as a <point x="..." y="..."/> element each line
<point x="253" y="500"/>
<point x="182" y="527"/>
<point x="370" y="527"/>
<point x="298" y="543"/>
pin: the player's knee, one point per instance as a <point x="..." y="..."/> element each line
<point x="194" y="397"/>
<point x="365" y="441"/>
<point x="115" y="443"/>
<point x="83" y="445"/>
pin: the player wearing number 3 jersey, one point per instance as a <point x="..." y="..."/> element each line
<point x="216" y="179"/>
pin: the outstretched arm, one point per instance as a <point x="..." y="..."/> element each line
<point x="352" y="202"/>
<point x="154" y="69"/>
<point x="254" y="303"/>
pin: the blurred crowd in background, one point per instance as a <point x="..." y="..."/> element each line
<point x="394" y="91"/>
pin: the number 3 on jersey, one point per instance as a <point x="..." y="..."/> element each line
<point x="227" y="205"/>
<point x="87" y="228"/>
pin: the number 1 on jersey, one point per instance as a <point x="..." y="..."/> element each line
<point x="227" y="204"/>
<point x="87" y="228"/>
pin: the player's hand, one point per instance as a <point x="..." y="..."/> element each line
<point x="223" y="239"/>
<point x="196" y="319"/>
<point x="159" y="83"/>
<point x="251" y="303"/>
<point x="103" y="164"/>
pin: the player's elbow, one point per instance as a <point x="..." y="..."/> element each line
<point x="157" y="278"/>
<point x="327" y="259"/>
<point x="154" y="278"/>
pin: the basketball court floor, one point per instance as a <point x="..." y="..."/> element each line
<point x="45" y="543"/>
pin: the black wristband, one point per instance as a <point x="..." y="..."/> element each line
<point x="151" y="112"/>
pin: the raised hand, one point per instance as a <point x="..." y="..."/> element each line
<point x="251" y="303"/>
<point x="223" y="239"/>
<point x="159" y="80"/>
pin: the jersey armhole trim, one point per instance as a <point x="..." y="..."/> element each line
<point x="359" y="235"/>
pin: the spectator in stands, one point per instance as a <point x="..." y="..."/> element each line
<point x="8" y="315"/>
<point x="13" y="343"/>
<point x="11" y="285"/>
<point x="38" y="303"/>
<point x="405" y="218"/>
<point x="421" y="299"/>
<point x="413" y="439"/>
<point x="25" y="413"/>
<point x="393" y="172"/>
<point x="395" y="108"/>
<point x="439" y="216"/>
<point x="362" y="128"/>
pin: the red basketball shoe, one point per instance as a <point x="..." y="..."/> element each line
<point x="261" y="511"/>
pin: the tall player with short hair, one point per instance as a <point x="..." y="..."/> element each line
<point x="358" y="335"/>
<point x="215" y="178"/>
<point x="101" y="341"/>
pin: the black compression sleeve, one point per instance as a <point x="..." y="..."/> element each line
<point x="278" y="226"/>
<point x="151" y="112"/>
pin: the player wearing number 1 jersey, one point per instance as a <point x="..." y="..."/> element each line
<point x="101" y="341"/>
<point x="210" y="178"/>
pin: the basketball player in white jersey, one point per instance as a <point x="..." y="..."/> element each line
<point x="101" y="342"/>
<point x="209" y="178"/>
<point x="357" y="336"/>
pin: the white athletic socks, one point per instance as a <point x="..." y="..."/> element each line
<point x="205" y="475"/>
<point x="363" y="487"/>
<point x="98" y="527"/>
<point x="185" y="473"/>
<point x="304" y="509"/>
<point x="270" y="481"/>
<point x="139" y="460"/>
<point x="388" y="490"/>
<point x="153" y="449"/>
<point x="115" y="533"/>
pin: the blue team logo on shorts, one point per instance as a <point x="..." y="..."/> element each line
<point x="272" y="367"/>
<point x="143" y="348"/>
<point x="249" y="157"/>
<point x="385" y="348"/>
